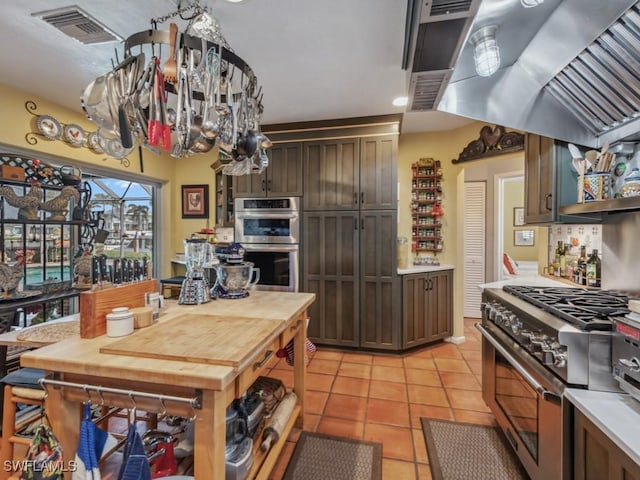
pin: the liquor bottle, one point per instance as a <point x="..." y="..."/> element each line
<point x="582" y="265"/>
<point x="593" y="269"/>
<point x="563" y="260"/>
<point x="556" y="265"/>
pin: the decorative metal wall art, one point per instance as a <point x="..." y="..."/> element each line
<point x="492" y="141"/>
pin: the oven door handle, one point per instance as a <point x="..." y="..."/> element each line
<point x="546" y="394"/>
<point x="268" y="216"/>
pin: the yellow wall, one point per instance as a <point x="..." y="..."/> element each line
<point x="16" y="122"/>
<point x="514" y="197"/>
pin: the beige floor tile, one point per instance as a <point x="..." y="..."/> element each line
<point x="341" y="427"/>
<point x="388" y="390"/>
<point x="388" y="374"/>
<point x="351" y="386"/>
<point x="415" y="376"/>
<point x="462" y="381"/>
<point x="427" y="395"/>
<point x="417" y="410"/>
<point x="398" y="470"/>
<point x="397" y="442"/>
<point x="358" y="370"/>
<point x="467" y="400"/>
<point x="424" y="363"/>
<point x="388" y="412"/>
<point x="346" y="406"/>
<point x="451" y="365"/>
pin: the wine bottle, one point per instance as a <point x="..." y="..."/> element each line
<point x="582" y="265"/>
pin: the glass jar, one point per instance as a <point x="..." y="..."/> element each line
<point x="631" y="185"/>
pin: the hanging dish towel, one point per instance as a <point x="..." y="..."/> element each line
<point x="135" y="465"/>
<point x="93" y="443"/>
<point x="44" y="457"/>
<point x="287" y="351"/>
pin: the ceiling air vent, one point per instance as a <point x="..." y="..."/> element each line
<point x="447" y="7"/>
<point x="78" y="24"/>
<point x="426" y="89"/>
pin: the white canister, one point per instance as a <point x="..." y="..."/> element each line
<point x="119" y="322"/>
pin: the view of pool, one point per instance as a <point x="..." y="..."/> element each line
<point x="35" y="274"/>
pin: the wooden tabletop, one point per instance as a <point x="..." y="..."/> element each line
<point x="83" y="356"/>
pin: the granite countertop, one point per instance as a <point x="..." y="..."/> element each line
<point x="616" y="414"/>
<point x="424" y="269"/>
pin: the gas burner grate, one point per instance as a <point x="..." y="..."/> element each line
<point x="587" y="309"/>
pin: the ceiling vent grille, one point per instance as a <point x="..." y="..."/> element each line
<point x="426" y="89"/>
<point x="78" y="24"/>
<point x="447" y="7"/>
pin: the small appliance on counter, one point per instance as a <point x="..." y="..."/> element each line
<point x="233" y="274"/>
<point x="625" y="354"/>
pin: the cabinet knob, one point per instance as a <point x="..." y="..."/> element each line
<point x="355" y="198"/>
<point x="547" y="201"/>
<point x="362" y="198"/>
<point x="264" y="184"/>
<point x="269" y="185"/>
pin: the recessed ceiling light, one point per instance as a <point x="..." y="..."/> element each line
<point x="400" y="101"/>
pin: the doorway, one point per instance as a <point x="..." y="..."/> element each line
<point x="510" y="227"/>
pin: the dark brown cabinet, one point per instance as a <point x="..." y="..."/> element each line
<point x="538" y="179"/>
<point x="347" y="265"/>
<point x="596" y="456"/>
<point x="351" y="174"/>
<point x="427" y="307"/>
<point x="282" y="178"/>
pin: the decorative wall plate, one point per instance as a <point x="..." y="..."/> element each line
<point x="93" y="142"/>
<point x="74" y="135"/>
<point x="49" y="127"/>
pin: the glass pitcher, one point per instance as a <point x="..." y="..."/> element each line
<point x="197" y="254"/>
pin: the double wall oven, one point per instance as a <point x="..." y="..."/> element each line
<point x="269" y="230"/>
<point x="538" y="341"/>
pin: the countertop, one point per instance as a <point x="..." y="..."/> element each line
<point x="79" y="356"/>
<point x="424" y="269"/>
<point x="616" y="414"/>
<point x="533" y="280"/>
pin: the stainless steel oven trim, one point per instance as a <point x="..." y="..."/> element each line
<point x="546" y="394"/>
<point x="294" y="250"/>
<point x="294" y="226"/>
<point x="294" y="203"/>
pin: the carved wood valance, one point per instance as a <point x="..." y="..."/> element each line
<point x="492" y="142"/>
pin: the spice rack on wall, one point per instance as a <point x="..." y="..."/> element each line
<point x="426" y="206"/>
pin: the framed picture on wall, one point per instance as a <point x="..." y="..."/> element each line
<point x="523" y="238"/>
<point x="195" y="201"/>
<point x="518" y="216"/>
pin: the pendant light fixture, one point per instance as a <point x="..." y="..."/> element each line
<point x="486" y="52"/>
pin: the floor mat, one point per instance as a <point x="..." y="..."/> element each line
<point x="328" y="457"/>
<point x="462" y="451"/>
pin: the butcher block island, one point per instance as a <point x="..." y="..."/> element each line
<point x="212" y="352"/>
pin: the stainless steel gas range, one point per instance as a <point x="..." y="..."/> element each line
<point x="536" y="342"/>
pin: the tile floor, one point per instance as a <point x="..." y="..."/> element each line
<point x="380" y="398"/>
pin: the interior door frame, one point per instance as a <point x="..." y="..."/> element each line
<point x="498" y="244"/>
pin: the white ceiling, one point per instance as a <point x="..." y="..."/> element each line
<point x="316" y="60"/>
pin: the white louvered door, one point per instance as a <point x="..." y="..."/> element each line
<point x="474" y="246"/>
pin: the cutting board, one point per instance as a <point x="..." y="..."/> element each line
<point x="212" y="339"/>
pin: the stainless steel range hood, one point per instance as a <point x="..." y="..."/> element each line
<point x="570" y="70"/>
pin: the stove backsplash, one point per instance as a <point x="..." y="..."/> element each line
<point x="575" y="235"/>
<point x="621" y="253"/>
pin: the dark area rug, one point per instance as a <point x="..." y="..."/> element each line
<point x="326" y="457"/>
<point x="462" y="451"/>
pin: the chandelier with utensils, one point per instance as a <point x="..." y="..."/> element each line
<point x="181" y="91"/>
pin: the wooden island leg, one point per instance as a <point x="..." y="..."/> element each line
<point x="300" y="366"/>
<point x="64" y="418"/>
<point x="210" y="436"/>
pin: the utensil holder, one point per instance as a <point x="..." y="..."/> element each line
<point x="596" y="186"/>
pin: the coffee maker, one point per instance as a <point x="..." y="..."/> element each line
<point x="195" y="287"/>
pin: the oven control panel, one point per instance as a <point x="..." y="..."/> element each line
<point x="544" y="347"/>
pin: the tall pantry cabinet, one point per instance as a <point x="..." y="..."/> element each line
<point x="349" y="238"/>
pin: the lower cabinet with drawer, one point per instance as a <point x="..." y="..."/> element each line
<point x="427" y="307"/>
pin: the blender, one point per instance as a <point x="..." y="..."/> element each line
<point x="233" y="275"/>
<point x="195" y="287"/>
